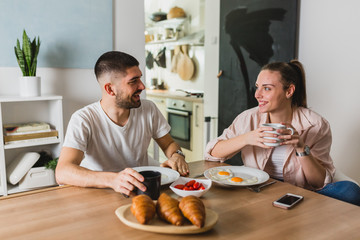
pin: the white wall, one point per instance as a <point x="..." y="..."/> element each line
<point x="329" y="47"/>
<point x="212" y="16"/>
<point x="129" y="29"/>
<point x="79" y="86"/>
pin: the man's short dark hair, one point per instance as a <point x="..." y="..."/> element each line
<point x="114" y="61"/>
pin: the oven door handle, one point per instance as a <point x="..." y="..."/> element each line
<point x="182" y="113"/>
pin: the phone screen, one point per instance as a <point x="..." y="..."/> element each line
<point x="288" y="199"/>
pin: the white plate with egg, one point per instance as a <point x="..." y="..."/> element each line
<point x="167" y="174"/>
<point x="236" y="175"/>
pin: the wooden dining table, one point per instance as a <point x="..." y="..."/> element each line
<point x="69" y="212"/>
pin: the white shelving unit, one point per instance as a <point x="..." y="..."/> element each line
<point x="14" y="109"/>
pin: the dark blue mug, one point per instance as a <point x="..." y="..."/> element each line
<point x="152" y="182"/>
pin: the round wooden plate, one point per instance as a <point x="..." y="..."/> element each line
<point x="159" y="226"/>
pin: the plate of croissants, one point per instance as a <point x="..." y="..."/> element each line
<point x="167" y="215"/>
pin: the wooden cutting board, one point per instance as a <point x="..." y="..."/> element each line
<point x="159" y="226"/>
<point x="185" y="66"/>
<point x="175" y="59"/>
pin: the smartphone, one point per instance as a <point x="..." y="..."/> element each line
<point x="288" y="201"/>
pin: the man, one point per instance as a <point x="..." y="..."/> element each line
<point x="105" y="139"/>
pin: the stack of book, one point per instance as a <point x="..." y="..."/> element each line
<point x="25" y="132"/>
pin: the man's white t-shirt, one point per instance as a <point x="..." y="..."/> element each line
<point x="110" y="147"/>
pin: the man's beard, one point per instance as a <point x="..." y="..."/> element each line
<point x="126" y="103"/>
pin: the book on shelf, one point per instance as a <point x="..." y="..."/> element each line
<point x="23" y="128"/>
<point x="22" y="133"/>
<point x="31" y="136"/>
<point x="31" y="140"/>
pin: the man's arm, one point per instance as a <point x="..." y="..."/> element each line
<point x="69" y="171"/>
<point x="175" y="160"/>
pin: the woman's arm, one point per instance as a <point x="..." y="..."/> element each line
<point x="229" y="147"/>
<point x="314" y="172"/>
<point x="314" y="164"/>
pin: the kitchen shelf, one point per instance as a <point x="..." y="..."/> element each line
<point x="14" y="109"/>
<point x="194" y="39"/>
<point x="174" y="23"/>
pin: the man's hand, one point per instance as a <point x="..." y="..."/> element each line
<point x="126" y="181"/>
<point x="175" y="160"/>
<point x="178" y="163"/>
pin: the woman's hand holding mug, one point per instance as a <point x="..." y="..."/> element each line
<point x="277" y="135"/>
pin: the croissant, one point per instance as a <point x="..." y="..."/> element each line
<point x="143" y="208"/>
<point x="194" y="210"/>
<point x="168" y="210"/>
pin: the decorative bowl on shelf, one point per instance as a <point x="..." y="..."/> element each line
<point x="158" y="16"/>
<point x="176" y="12"/>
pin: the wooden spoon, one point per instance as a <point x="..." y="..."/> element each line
<point x="185" y="67"/>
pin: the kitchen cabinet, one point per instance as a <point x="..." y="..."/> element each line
<point x="196" y="150"/>
<point x="153" y="149"/>
<point x="14" y="109"/>
<point x="160" y="103"/>
<point x="197" y="144"/>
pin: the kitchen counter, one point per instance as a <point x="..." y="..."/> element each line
<point x="69" y="212"/>
<point x="173" y="95"/>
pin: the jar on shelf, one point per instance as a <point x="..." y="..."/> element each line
<point x="168" y="33"/>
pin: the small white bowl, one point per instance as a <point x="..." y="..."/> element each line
<point x="183" y="193"/>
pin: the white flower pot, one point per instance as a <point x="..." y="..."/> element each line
<point x="30" y="86"/>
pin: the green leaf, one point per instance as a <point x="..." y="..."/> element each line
<point x="20" y="57"/>
<point x="52" y="164"/>
<point x="35" y="51"/>
<point x="27" y="52"/>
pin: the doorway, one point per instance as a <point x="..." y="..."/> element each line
<point x="252" y="34"/>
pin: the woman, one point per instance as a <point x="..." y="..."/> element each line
<point x="303" y="157"/>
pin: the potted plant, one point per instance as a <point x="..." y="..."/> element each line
<point x="26" y="56"/>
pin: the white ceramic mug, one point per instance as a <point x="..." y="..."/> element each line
<point x="275" y="126"/>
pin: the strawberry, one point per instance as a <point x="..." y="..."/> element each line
<point x="196" y="185"/>
<point x="179" y="186"/>
<point x="190" y="183"/>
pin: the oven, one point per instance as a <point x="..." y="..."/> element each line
<point x="179" y="117"/>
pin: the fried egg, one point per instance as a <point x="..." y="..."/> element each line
<point x="219" y="174"/>
<point x="242" y="180"/>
